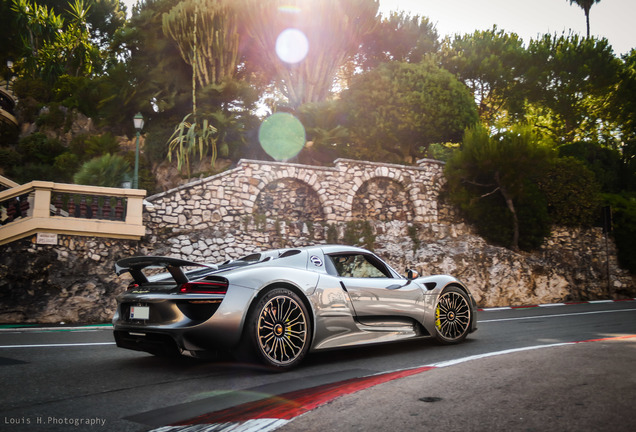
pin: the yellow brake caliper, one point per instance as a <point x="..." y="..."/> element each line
<point x="438" y="323"/>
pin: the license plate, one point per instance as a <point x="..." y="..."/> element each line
<point x="139" y="312"/>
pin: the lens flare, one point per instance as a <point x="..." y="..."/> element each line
<point x="292" y="45"/>
<point x="289" y="9"/>
<point x="282" y="136"/>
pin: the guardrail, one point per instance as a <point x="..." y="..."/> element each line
<point x="47" y="207"/>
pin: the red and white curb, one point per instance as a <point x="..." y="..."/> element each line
<point x="274" y="412"/>
<point x="493" y="309"/>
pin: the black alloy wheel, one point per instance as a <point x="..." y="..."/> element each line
<point x="452" y="316"/>
<point x="280" y="329"/>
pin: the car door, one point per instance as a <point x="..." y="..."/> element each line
<point x="373" y="289"/>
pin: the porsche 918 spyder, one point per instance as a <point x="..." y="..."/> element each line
<point x="278" y="305"/>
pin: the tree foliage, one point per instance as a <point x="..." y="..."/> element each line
<point x="503" y="169"/>
<point x="572" y="193"/>
<point x="624" y="105"/>
<point x="492" y="64"/>
<point x="396" y="110"/>
<point x="605" y="163"/>
<point x="571" y="84"/>
<point x="103" y="17"/>
<point x="370" y="87"/>
<point x="151" y="77"/>
<point x="215" y="52"/>
<point x="34" y="157"/>
<point x="624" y="227"/>
<point x="53" y="46"/>
<point x="333" y="28"/>
<point x="398" y="37"/>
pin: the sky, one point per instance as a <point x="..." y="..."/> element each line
<point x="614" y="20"/>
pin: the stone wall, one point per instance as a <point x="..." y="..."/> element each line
<point x="326" y="193"/>
<point x="263" y="205"/>
<point x="73" y="282"/>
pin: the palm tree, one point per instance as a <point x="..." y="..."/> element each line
<point x="108" y="170"/>
<point x="586" y="5"/>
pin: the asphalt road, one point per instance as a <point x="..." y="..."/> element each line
<point x="62" y="379"/>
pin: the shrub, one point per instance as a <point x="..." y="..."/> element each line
<point x="624" y="227"/>
<point x="572" y="193"/>
<point x="605" y="163"/>
<point x="87" y="147"/>
<point x="52" y="116"/>
<point x="38" y="147"/>
<point x="107" y="170"/>
<point x="493" y="179"/>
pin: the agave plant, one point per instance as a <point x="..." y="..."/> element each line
<point x="193" y="135"/>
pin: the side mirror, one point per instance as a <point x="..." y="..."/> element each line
<point x="412" y="274"/>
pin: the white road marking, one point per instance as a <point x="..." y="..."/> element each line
<point x="254" y="425"/>
<point x="496" y="353"/>
<point x="58" y="345"/>
<point x="554" y="316"/>
<point x="55" y="329"/>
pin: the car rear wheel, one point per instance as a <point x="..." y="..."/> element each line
<point x="278" y="329"/>
<point x="452" y="316"/>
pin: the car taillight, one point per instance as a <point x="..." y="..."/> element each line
<point x="132" y="286"/>
<point x="204" y="288"/>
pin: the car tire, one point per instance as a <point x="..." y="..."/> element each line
<point x="278" y="330"/>
<point x="453" y="316"/>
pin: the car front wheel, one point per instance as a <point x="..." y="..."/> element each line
<point x="452" y="316"/>
<point x="278" y="329"/>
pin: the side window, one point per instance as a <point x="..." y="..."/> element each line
<point x="357" y="266"/>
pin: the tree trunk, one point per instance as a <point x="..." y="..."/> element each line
<point x="515" y="220"/>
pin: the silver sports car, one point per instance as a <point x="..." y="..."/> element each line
<point x="278" y="305"/>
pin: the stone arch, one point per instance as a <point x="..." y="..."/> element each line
<point x="289" y="199"/>
<point x="382" y="199"/>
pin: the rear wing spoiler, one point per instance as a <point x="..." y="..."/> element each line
<point x="135" y="265"/>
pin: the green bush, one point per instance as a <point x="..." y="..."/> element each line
<point x="9" y="158"/>
<point x="36" y="88"/>
<point x="87" y="146"/>
<point x="493" y="220"/>
<point x="38" y="147"/>
<point x="80" y="93"/>
<point x="156" y="137"/>
<point x="624" y="228"/>
<point x="30" y="171"/>
<point x="34" y="158"/>
<point x="493" y="174"/>
<point x="9" y="134"/>
<point x="52" y="116"/>
<point x="605" y="163"/>
<point x="107" y="170"/>
<point x="67" y="163"/>
<point x="441" y="151"/>
<point x="572" y="193"/>
<point x="147" y="179"/>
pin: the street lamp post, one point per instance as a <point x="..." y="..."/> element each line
<point x="138" y="121"/>
<point x="10" y="67"/>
